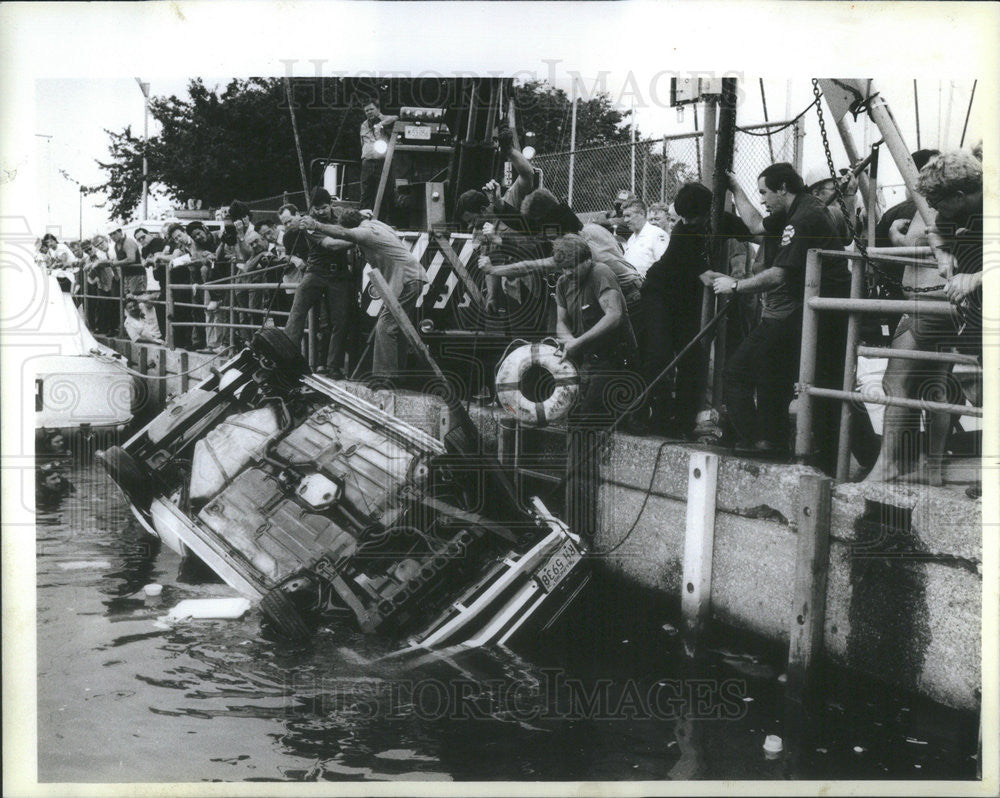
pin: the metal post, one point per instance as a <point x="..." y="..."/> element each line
<point x="572" y="147"/>
<point x="850" y="371"/>
<point x="879" y="111"/>
<point x="645" y="170"/>
<point x="144" y="88"/>
<point x="708" y="150"/>
<point x="763" y="102"/>
<point x="168" y="312"/>
<point x="298" y="144"/>
<point x="699" y="543"/>
<point x="663" y="172"/>
<point x="632" y="138"/>
<point x="312" y="337"/>
<point x="854" y="157"/>
<point x="807" y="358"/>
<point x="800" y="134"/>
<point x="121" y="303"/>
<point x="233" y="298"/>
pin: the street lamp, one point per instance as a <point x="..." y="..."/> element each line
<point x="144" y="88"/>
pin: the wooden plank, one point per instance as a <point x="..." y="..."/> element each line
<point x="812" y="562"/>
<point x="699" y="542"/>
<point x="444" y="244"/>
<point x="383" y="179"/>
<point x="185" y="367"/>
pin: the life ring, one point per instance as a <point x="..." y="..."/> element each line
<point x="511" y="385"/>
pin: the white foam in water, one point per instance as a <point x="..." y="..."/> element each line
<point x="201" y="609"/>
<point x="80" y="565"/>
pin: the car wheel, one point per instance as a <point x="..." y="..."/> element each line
<point x="271" y="344"/>
<point x="283" y="617"/>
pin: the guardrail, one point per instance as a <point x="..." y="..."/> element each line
<point x="855" y="307"/>
<point x="231" y="311"/>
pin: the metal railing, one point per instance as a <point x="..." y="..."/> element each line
<point x="230" y="310"/>
<point x="855" y="307"/>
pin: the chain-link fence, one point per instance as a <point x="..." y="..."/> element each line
<point x="654" y="169"/>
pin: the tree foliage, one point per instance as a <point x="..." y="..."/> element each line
<point x="218" y="144"/>
<point x="547" y="112"/>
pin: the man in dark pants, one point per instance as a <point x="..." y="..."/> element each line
<point x="767" y="361"/>
<point x="327" y="279"/>
<point x="374" y="144"/>
<point x="593" y="327"/>
<point x="672" y="299"/>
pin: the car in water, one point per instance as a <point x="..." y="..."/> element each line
<point x="318" y="505"/>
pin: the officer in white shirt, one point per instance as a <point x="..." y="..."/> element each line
<point x="647" y="243"/>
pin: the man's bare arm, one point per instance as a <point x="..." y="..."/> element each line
<point x="748" y="211"/>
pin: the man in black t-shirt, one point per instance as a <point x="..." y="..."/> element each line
<point x="766" y="363"/>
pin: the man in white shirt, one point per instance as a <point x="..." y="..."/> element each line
<point x="647" y="243"/>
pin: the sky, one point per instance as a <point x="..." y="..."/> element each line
<point x="73" y="115"/>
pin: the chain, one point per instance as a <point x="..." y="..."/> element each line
<point x="883" y="277"/>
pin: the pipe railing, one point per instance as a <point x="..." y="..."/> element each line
<point x="855" y="306"/>
<point x="230" y="309"/>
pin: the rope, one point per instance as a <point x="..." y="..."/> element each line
<point x="968" y="111"/>
<point x="118" y="362"/>
<point x="642" y="509"/>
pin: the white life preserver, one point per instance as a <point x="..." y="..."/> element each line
<point x="511" y="374"/>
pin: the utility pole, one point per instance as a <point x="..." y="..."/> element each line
<point x="572" y="146"/>
<point x="632" y="184"/>
<point x="144" y="88"/>
<point x="48" y="174"/>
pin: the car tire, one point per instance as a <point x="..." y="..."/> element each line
<point x="283" y="617"/>
<point x="272" y="344"/>
<point x="124" y="470"/>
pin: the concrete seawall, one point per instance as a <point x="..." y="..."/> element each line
<point x="904" y="591"/>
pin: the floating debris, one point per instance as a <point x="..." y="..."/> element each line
<point x="858" y="749"/>
<point x="670" y="629"/>
<point x="773" y="744"/>
<point x="915" y="741"/>
<point x="80" y="565"/>
<point x="209" y="609"/>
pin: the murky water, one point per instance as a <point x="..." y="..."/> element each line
<point x="123" y="697"/>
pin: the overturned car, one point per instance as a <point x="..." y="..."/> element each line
<point x="317" y="505"/>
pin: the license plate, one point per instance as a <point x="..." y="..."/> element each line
<point x="557" y="568"/>
<point x="418" y="132"/>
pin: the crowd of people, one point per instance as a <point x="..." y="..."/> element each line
<point x="623" y="298"/>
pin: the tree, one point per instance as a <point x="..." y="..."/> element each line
<point x="217" y="147"/>
<point x="547" y="112"/>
